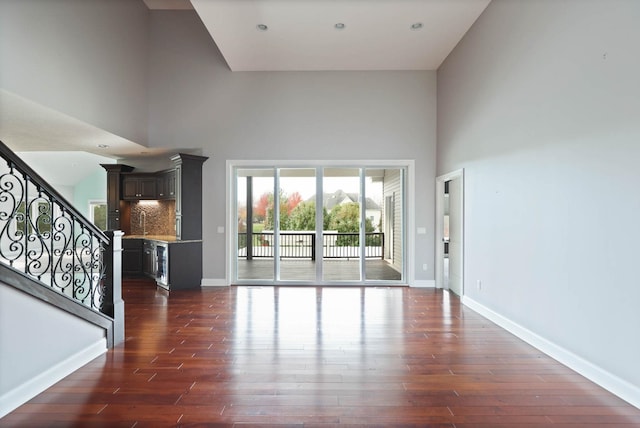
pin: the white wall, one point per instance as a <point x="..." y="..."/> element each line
<point x="92" y="188"/>
<point x="42" y="345"/>
<point x="540" y="103"/>
<point x="84" y="58"/>
<point x="195" y="101"/>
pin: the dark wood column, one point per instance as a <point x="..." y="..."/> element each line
<point x="188" y="195"/>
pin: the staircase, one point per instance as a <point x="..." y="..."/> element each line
<point x="66" y="270"/>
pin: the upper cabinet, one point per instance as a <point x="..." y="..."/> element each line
<point x="182" y="183"/>
<point x="167" y="185"/>
<point x="114" y="188"/>
<point x="139" y="186"/>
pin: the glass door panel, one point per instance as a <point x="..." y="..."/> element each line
<point x="323" y="224"/>
<point x="255" y="243"/>
<point x="342" y="218"/>
<point x="383" y="224"/>
<point x="297" y="231"/>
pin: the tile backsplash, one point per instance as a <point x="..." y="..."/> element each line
<point x="153" y="217"/>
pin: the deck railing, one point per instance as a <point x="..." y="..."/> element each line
<point x="302" y="245"/>
<point x="47" y="239"/>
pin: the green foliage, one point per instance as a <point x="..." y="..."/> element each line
<point x="242" y="240"/>
<point x="100" y="216"/>
<point x="38" y="220"/>
<point x="284" y="212"/>
<point x="303" y="217"/>
<point x="345" y="218"/>
<point x="373" y="241"/>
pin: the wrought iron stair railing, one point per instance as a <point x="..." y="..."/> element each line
<point x="45" y="238"/>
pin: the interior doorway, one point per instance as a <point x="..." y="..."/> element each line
<point x="450" y="232"/>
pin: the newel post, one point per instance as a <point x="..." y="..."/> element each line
<point x="113" y="305"/>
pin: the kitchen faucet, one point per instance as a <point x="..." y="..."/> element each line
<point x="143" y="222"/>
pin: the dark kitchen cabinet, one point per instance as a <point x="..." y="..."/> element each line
<point x="141" y="186"/>
<point x="114" y="173"/>
<point x="188" y="183"/>
<point x="174" y="265"/>
<point x="132" y="257"/>
<point x="179" y="265"/>
<point x="167" y="185"/>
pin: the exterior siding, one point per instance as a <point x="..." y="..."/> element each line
<point x="393" y="189"/>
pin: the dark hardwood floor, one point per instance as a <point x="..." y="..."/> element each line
<point x="318" y="357"/>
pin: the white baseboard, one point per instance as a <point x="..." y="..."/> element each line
<point x="610" y="382"/>
<point x="423" y="283"/>
<point x="13" y="399"/>
<point x="214" y="282"/>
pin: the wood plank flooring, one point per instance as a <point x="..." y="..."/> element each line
<point x="318" y="357"/>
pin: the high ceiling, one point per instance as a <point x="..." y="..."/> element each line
<point x="298" y="35"/>
<point x="301" y="35"/>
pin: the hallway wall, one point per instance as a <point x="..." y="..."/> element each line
<point x="540" y="105"/>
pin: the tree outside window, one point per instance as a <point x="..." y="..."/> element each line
<point x="98" y="214"/>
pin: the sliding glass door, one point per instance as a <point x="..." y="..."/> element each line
<point x="319" y="225"/>
<point x="385" y="221"/>
<point x="341" y="236"/>
<point x="254" y="208"/>
<point x="297" y="225"/>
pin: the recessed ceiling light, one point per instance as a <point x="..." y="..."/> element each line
<point x="103" y="146"/>
<point x="416" y="26"/>
<point x="262" y="27"/>
<point x="339" y="26"/>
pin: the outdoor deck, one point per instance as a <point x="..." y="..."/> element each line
<point x="305" y="270"/>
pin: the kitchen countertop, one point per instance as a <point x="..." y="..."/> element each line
<point x="170" y="239"/>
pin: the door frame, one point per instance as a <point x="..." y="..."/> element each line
<point x="439" y="247"/>
<point x="408" y="212"/>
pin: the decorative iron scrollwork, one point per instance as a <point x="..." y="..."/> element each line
<point x="42" y="237"/>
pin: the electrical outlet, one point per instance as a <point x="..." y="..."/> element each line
<point x="425" y="267"/>
<point x="479" y="284"/>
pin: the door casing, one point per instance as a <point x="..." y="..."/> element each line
<point x="440" y="211"/>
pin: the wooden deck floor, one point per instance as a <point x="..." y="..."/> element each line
<point x="318" y="357"/>
<point x="305" y="270"/>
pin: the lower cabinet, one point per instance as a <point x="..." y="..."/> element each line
<point x="131" y="257"/>
<point x="179" y="265"/>
<point x="173" y="265"/>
